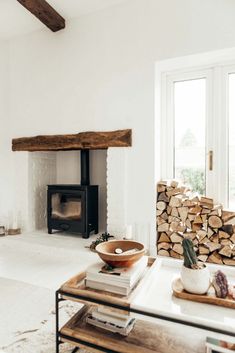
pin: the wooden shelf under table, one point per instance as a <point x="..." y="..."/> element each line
<point x="145" y="337"/>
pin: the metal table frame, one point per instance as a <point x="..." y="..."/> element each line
<point x="60" y="294"/>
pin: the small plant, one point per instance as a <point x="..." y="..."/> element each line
<point x="190" y="257"/>
<point x="108" y="268"/>
<point x="102" y="238"/>
<point x="195" y="277"/>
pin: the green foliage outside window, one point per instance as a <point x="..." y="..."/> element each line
<point x="193" y="177"/>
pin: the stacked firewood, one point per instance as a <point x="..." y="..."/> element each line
<point x="181" y="213"/>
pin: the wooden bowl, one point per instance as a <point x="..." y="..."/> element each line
<point x="106" y="252"/>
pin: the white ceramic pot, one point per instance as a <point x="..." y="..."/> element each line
<point x="196" y="281"/>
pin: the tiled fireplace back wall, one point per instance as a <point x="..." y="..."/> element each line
<point x="60" y="168"/>
<point x="68" y="172"/>
<point x="42" y="171"/>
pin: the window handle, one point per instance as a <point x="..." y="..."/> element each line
<point x="210" y="160"/>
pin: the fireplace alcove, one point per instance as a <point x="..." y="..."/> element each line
<point x="55" y="161"/>
<point x="74" y="207"/>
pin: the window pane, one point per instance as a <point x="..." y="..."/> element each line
<point x="190" y="124"/>
<point x="232" y="141"/>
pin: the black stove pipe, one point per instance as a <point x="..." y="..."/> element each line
<point x="85" y="167"/>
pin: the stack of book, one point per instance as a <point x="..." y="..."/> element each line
<point x="119" y="280"/>
<point x="111" y="320"/>
<point x="215" y="345"/>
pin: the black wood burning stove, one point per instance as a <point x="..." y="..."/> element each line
<point x="74" y="208"/>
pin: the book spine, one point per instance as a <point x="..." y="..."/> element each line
<point x="110" y="319"/>
<point x="107" y="288"/>
<point x="112" y="328"/>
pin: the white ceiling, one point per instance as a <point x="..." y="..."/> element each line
<point x="16" y="20"/>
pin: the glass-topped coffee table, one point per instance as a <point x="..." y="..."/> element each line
<point x="164" y="324"/>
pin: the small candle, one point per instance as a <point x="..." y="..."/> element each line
<point x="128" y="232"/>
<point x="14" y="224"/>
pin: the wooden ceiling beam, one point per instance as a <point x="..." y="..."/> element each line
<point x="45" y="13"/>
<point x="83" y="140"/>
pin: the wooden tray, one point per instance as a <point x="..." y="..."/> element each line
<point x="76" y="286"/>
<point x="209" y="298"/>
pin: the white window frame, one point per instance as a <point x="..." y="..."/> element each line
<point x="225" y="71"/>
<point x="215" y="67"/>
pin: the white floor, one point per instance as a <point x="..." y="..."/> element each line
<point x="32" y="267"/>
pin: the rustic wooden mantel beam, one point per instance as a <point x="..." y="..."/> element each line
<point x="83" y="140"/>
<point x="45" y="13"/>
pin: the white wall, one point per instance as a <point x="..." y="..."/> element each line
<point x="98" y="74"/>
<point x="5" y="142"/>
